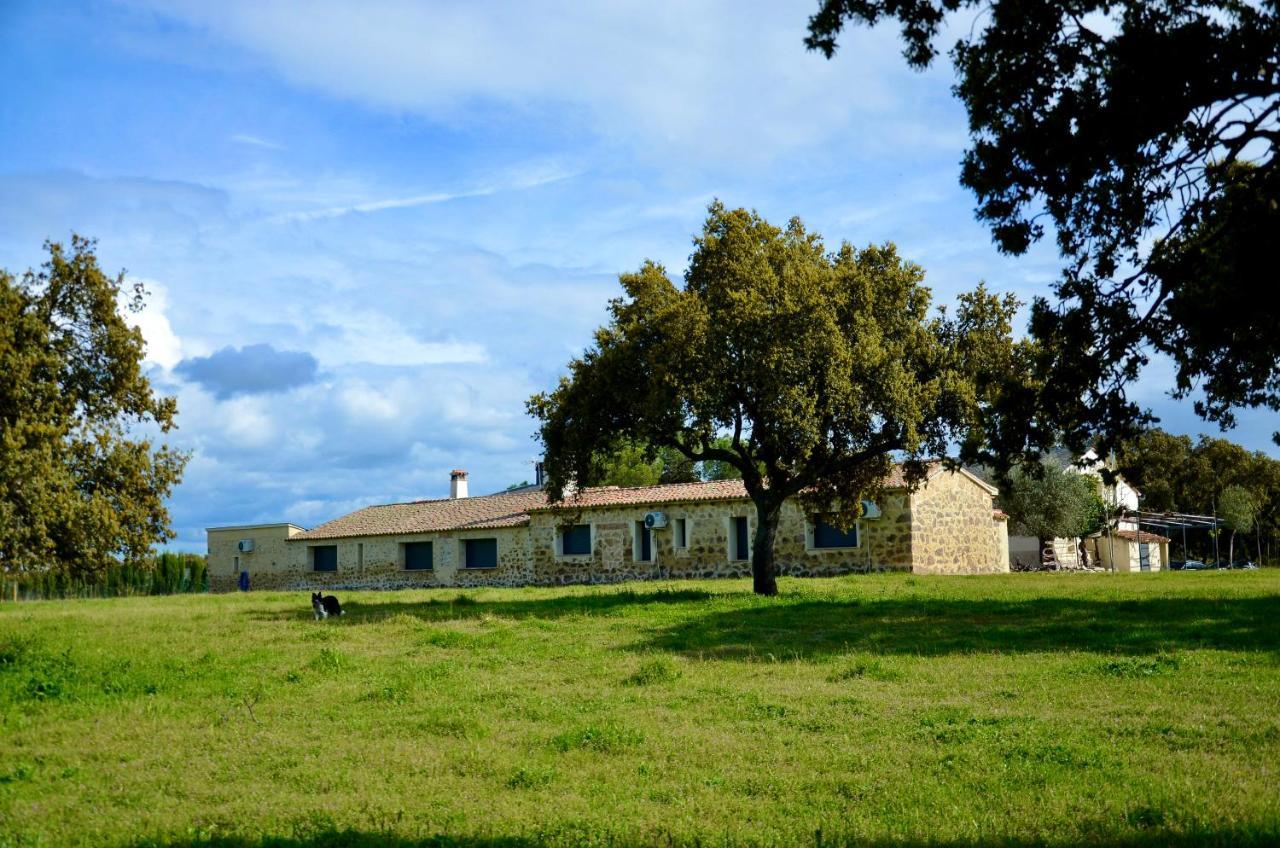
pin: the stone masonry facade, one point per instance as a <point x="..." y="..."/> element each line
<point x="947" y="526"/>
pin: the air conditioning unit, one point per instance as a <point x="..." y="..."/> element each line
<point x="245" y="546"/>
<point x="870" y="510"/>
<point x="655" y="520"/>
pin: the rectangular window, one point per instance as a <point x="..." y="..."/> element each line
<point x="828" y="536"/>
<point x="681" y="533"/>
<point x="237" y="565"/>
<point x="576" y="540"/>
<point x="419" y="556"/>
<point x="480" y="553"/>
<point x="324" y="558"/>
<point x="360" y="556"/>
<point x="740" y="546"/>
<point x="643" y="549"/>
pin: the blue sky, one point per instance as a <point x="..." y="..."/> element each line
<point x="371" y="230"/>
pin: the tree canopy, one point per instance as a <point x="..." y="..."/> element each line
<point x="1051" y="501"/>
<point x="806" y="371"/>
<point x="1144" y="137"/>
<point x="80" y="490"/>
<point x="1179" y="474"/>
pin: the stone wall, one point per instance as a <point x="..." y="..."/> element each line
<point x="952" y="528"/>
<point x="1000" y="532"/>
<point x="377" y="562"/>
<point x="884" y="543"/>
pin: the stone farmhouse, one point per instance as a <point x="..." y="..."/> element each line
<point x="600" y="535"/>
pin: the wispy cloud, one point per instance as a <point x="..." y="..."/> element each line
<point x="519" y="184"/>
<point x="255" y="141"/>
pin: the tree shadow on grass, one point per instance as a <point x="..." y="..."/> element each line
<point x="1237" y="837"/>
<point x="461" y="606"/>
<point x="931" y="627"/>
<point x="805" y="627"/>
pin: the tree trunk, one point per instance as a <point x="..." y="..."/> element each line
<point x="1231" y="548"/>
<point x="764" y="573"/>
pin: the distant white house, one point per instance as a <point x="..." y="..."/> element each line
<point x="1123" y="546"/>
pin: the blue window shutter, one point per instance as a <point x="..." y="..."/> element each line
<point x="325" y="557"/>
<point x="419" y="556"/>
<point x="576" y="540"/>
<point x="646" y="542"/>
<point x="482" y="553"/>
<point x="827" y="536"/>
<point x="742" y="543"/>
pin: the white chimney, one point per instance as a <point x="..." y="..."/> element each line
<point x="457" y="483"/>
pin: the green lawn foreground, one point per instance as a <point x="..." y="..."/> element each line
<point x="887" y="709"/>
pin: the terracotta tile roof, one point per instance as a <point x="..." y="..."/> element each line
<point x="715" y="490"/>
<point x="511" y="509"/>
<point x="1137" y="536"/>
<point x="501" y="510"/>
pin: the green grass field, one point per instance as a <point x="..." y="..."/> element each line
<point x="885" y="710"/>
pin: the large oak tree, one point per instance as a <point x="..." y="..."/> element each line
<point x="1143" y="135"/>
<point x="807" y="371"/>
<point x="79" y="487"/>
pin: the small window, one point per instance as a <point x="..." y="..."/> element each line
<point x="480" y="553"/>
<point x="360" y="556"/>
<point x="828" y="536"/>
<point x="642" y="549"/>
<point x="324" y="558"/>
<point x="419" y="556"/>
<point x="740" y="541"/>
<point x="681" y="534"/>
<point x="576" y="540"/>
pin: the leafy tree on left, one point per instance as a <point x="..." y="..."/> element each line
<point x="80" y="487"/>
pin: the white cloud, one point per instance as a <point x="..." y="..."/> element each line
<point x="164" y="348"/>
<point x="247" y="422"/>
<point x="708" y="79"/>
<point x="373" y="337"/>
<point x="254" y="141"/>
<point x="519" y="183"/>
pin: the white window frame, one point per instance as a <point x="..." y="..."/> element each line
<point x="462" y="552"/>
<point x="688" y="532"/>
<point x="558" y="542"/>
<point x="809" y="532"/>
<point x="402" y="560"/>
<point x="636" y="530"/>
<point x="730" y="538"/>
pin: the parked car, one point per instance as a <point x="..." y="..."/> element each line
<point x="1246" y="564"/>
<point x="1192" y="565"/>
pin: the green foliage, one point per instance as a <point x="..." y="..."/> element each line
<point x="1144" y="138"/>
<point x="1237" y="508"/>
<point x="79" y="492"/>
<point x="880" y="709"/>
<point x="633" y="464"/>
<point x="166" y="573"/>
<point x="1049" y="501"/>
<point x="804" y="370"/>
<point x="1176" y="474"/>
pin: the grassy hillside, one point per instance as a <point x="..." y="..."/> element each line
<point x="903" y="711"/>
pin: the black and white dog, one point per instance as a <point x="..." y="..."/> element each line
<point x="325" y="606"/>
